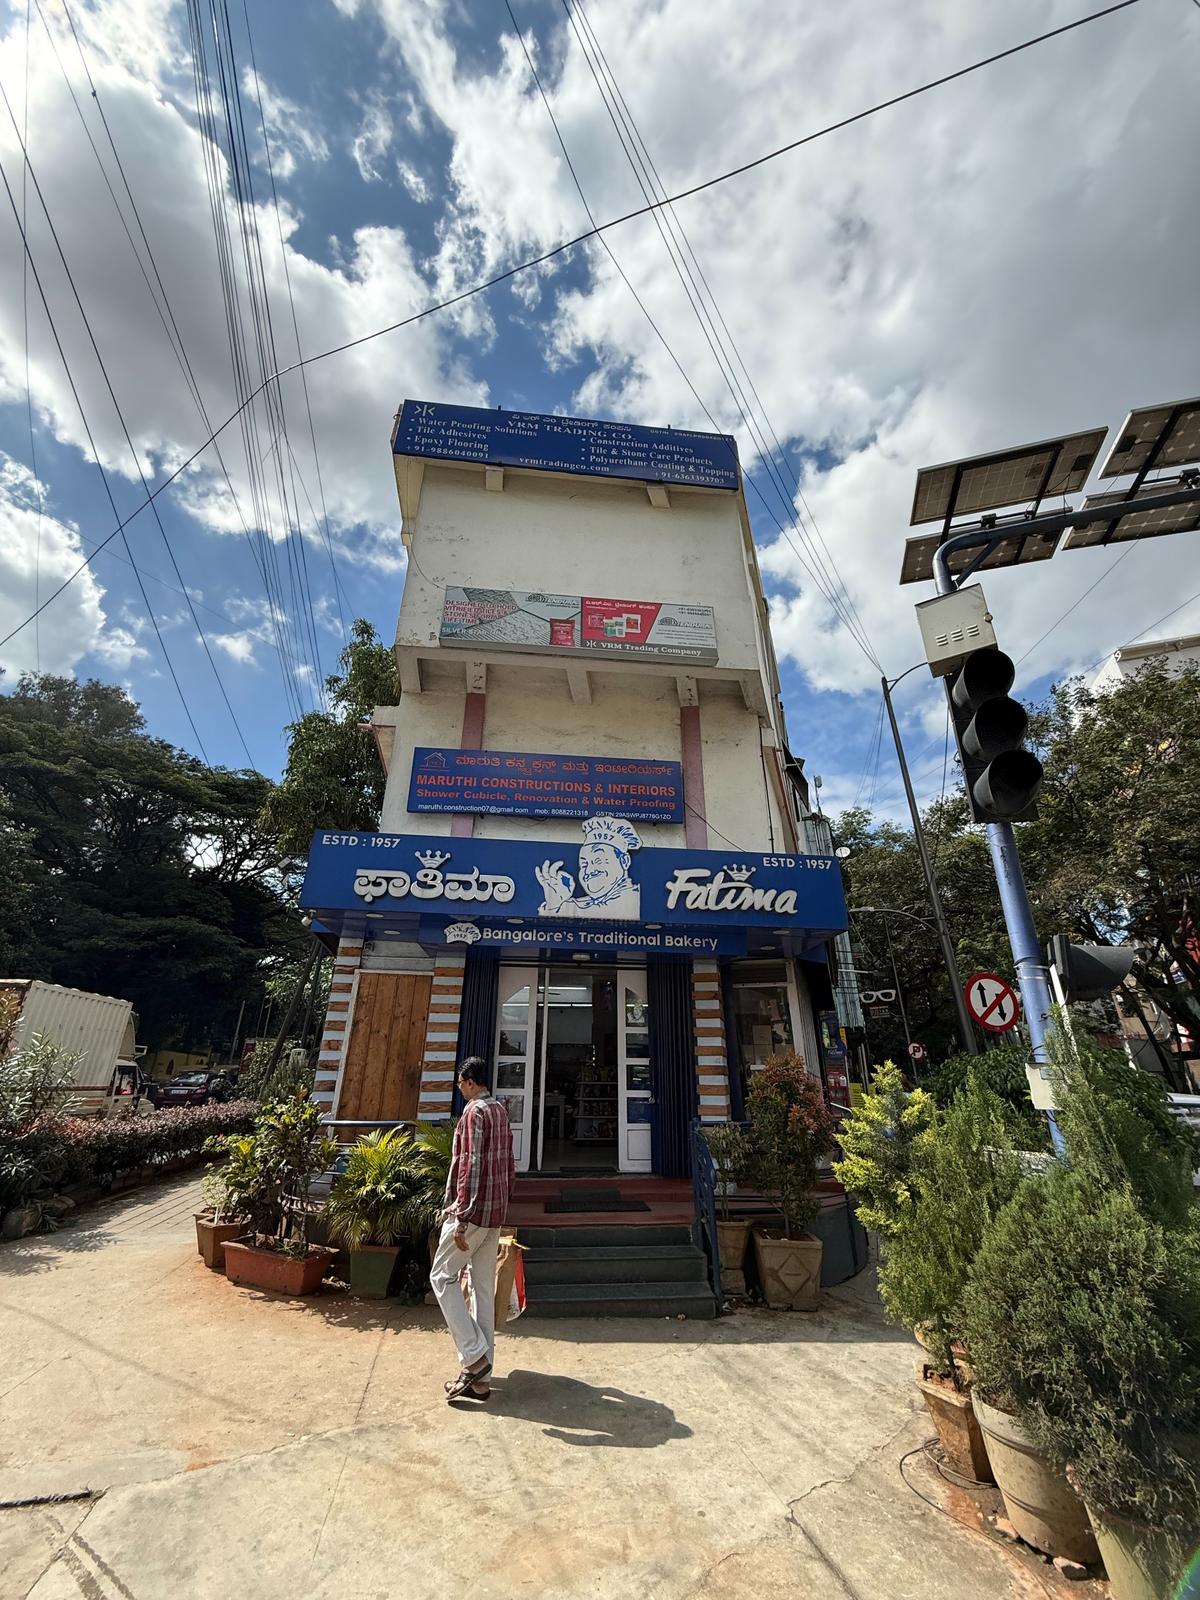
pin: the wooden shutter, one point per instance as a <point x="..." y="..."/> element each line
<point x="382" y="1077"/>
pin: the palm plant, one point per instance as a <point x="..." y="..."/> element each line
<point x="372" y="1198"/>
<point x="432" y="1148"/>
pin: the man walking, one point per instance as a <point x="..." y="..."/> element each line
<point x="477" y="1191"/>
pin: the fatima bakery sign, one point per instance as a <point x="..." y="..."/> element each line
<point x="608" y="876"/>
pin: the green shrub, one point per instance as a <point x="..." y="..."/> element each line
<point x="371" y="1198"/>
<point x="877" y="1141"/>
<point x="289" y="1148"/>
<point x="730" y="1149"/>
<point x="1002" y="1068"/>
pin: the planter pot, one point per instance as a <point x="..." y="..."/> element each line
<point x="731" y="1249"/>
<point x="958" y="1430"/>
<point x="1142" y="1563"/>
<point x="212" y="1237"/>
<point x="371" y="1269"/>
<point x="958" y="1352"/>
<point x="1041" y="1504"/>
<point x="246" y="1262"/>
<point x="789" y="1270"/>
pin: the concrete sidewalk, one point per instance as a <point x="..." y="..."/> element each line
<point x="243" y="1444"/>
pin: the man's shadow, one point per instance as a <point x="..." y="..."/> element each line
<point x="581" y="1413"/>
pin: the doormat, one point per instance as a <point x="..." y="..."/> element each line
<point x="594" y="1200"/>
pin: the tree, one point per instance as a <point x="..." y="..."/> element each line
<point x="145" y="874"/>
<point x="334" y="778"/>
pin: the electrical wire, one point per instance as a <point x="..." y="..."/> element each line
<point x="128" y="440"/>
<point x="482" y="287"/>
<point x="33" y="461"/>
<point x="716" y="332"/>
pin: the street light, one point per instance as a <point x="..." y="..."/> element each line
<point x="1156" y="437"/>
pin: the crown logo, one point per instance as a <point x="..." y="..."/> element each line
<point x="739" y="874"/>
<point x="432" y="858"/>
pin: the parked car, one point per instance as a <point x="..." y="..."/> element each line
<point x="188" y="1089"/>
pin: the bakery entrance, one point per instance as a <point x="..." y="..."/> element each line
<point x="573" y="1068"/>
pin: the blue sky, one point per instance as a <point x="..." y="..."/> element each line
<point x="1002" y="259"/>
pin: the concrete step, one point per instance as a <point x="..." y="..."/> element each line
<point x="646" y="1236"/>
<point x="671" y="1263"/>
<point x="621" y="1300"/>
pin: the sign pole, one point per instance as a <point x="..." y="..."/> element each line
<point x="966" y="1031"/>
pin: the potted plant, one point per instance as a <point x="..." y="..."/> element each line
<point x="225" y="1193"/>
<point x="370" y="1207"/>
<point x="790" y="1130"/>
<point x="290" y="1149"/>
<point x="1083" y="1316"/>
<point x="730" y="1150"/>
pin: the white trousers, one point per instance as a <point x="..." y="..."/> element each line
<point x="473" y="1330"/>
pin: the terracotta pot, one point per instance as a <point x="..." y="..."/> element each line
<point x="789" y="1270"/>
<point x="958" y="1352"/>
<point x="958" y="1430"/>
<point x="371" y="1268"/>
<point x="732" y="1238"/>
<point x="1041" y="1504"/>
<point x="212" y="1237"/>
<point x="246" y="1262"/>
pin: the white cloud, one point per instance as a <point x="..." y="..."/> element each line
<point x="238" y="646"/>
<point x="293" y="134"/>
<point x="38" y="552"/>
<point x="372" y="141"/>
<point x="413" y="181"/>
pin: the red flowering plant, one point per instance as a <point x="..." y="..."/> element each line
<point x="790" y="1130"/>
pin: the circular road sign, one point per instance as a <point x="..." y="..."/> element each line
<point x="992" y="1002"/>
<point x="916" y="1051"/>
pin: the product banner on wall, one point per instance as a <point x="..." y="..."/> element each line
<point x="608" y="877"/>
<point x="533" y="619"/>
<point x="566" y="444"/>
<point x="510" y="783"/>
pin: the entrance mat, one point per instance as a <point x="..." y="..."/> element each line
<point x="594" y="1200"/>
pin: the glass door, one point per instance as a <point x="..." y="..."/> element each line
<point x="516" y="1042"/>
<point x="636" y="1100"/>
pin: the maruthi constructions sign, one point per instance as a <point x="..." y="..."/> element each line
<point x="528" y="619"/>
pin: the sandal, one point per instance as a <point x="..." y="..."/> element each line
<point x="465" y="1385"/>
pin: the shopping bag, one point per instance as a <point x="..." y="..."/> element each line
<point x="510" y="1280"/>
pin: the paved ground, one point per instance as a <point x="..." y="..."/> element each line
<point x="243" y="1445"/>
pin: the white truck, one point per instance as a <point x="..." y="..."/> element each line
<point x="101" y="1028"/>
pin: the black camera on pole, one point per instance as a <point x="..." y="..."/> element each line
<point x="1002" y="777"/>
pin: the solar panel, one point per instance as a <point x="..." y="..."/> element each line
<point x="1139" y="525"/>
<point x="1173" y="428"/>
<point x="1006" y="477"/>
<point x="1014" y="551"/>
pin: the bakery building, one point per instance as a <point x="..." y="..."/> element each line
<point x="592" y="866"/>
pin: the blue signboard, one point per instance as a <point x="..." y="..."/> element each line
<point x="608" y="876"/>
<point x="543" y="937"/>
<point x="510" y="783"/>
<point x="566" y="444"/>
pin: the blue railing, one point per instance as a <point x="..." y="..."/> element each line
<point x="704" y="1198"/>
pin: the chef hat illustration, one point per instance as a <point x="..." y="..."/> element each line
<point x="614" y="831"/>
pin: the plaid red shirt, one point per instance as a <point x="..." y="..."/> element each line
<point x="482" y="1167"/>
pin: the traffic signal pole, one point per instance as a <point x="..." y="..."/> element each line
<point x="966" y="1031"/>
<point x="1032" y="975"/>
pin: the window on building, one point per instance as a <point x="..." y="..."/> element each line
<point x="762" y="1013"/>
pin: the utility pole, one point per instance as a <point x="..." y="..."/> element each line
<point x="887" y="933"/>
<point x="966" y="1031"/>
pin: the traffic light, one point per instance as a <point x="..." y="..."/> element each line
<point x="1002" y="777"/>
<point x="1087" y="971"/>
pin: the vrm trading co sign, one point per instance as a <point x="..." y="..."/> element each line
<point x="609" y="877"/>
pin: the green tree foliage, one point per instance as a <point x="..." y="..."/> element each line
<point x="877" y="1142"/>
<point x="334" y="778"/>
<point x="141" y="872"/>
<point x="1002" y="1068"/>
<point x="1113" y="857"/>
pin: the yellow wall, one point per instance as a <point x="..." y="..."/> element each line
<point x="164" y="1064"/>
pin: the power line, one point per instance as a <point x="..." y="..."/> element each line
<point x="549" y="255"/>
<point x="125" y="430"/>
<point x="33" y="461"/>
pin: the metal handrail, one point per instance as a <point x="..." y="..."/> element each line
<point x="704" y="1199"/>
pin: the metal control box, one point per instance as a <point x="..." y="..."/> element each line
<point x="953" y="626"/>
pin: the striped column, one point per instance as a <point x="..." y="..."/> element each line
<point x="712" y="1063"/>
<point x="332" y="1054"/>
<point x="441" y="1037"/>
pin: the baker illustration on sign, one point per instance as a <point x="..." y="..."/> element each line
<point x="604" y="859"/>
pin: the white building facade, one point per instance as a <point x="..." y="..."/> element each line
<point x="590" y="865"/>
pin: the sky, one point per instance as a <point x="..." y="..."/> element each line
<point x="1005" y="258"/>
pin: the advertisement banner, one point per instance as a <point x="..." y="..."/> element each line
<point x="512" y="783"/>
<point x="609" y="876"/>
<point x="532" y="619"/>
<point x="566" y="444"/>
<point x="597" y="940"/>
